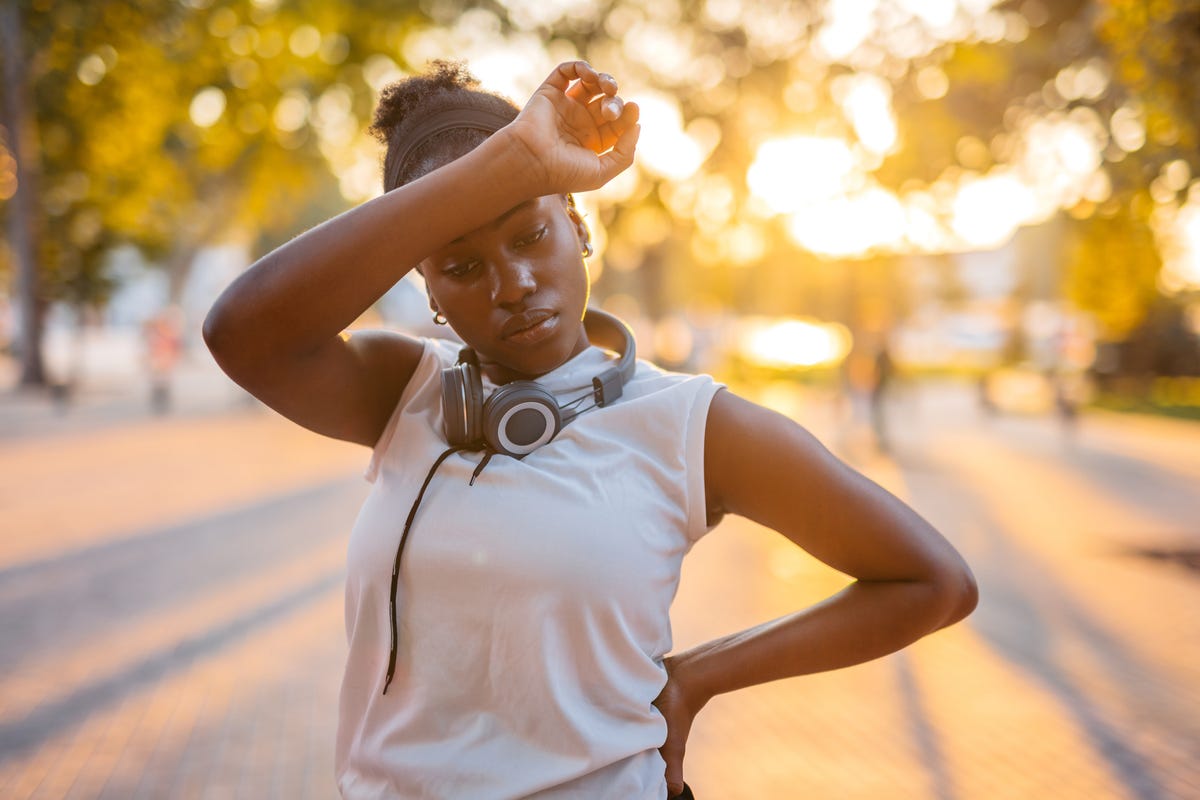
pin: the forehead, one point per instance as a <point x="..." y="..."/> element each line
<point x="534" y="207"/>
<point x="531" y="206"/>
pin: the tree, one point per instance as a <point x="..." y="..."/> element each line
<point x="168" y="125"/>
<point x="17" y="122"/>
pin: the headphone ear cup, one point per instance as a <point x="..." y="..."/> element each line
<point x="462" y="404"/>
<point x="519" y="418"/>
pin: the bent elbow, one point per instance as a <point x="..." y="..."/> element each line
<point x="226" y="340"/>
<point x="215" y="331"/>
<point x="960" y="594"/>
<point x="211" y="330"/>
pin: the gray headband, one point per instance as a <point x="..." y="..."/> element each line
<point x="476" y="119"/>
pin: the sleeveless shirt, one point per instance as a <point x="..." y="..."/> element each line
<point x="532" y="605"/>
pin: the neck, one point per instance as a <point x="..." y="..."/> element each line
<point x="501" y="374"/>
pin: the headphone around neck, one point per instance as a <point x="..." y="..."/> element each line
<point x="521" y="416"/>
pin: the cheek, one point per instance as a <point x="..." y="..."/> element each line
<point x="466" y="305"/>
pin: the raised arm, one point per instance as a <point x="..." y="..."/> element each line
<point x="909" y="581"/>
<point x="278" y="329"/>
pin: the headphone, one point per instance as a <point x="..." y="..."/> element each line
<point x="521" y="416"/>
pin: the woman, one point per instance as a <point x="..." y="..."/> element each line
<point x="519" y="647"/>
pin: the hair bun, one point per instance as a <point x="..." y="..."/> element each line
<point x="403" y="105"/>
<point x="400" y="98"/>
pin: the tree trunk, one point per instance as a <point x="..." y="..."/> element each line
<point x="17" y="118"/>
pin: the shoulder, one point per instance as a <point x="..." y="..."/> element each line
<point x="650" y="380"/>
<point x="402" y="367"/>
<point x="672" y="400"/>
<point x="441" y="352"/>
<point x="750" y="449"/>
<point x="432" y="355"/>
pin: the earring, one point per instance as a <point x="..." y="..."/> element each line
<point x="438" y="319"/>
<point x="577" y="218"/>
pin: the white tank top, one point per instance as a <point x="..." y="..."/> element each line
<point x="533" y="606"/>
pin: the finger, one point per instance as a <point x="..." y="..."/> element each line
<point x="591" y="104"/>
<point x="620" y="157"/>
<point x="586" y="92"/>
<point x="603" y="124"/>
<point x="610" y="132"/>
<point x="674" y="773"/>
<point x="585" y="89"/>
<point x="610" y="108"/>
<point x="604" y="110"/>
<point x="581" y="71"/>
<point x="631" y="112"/>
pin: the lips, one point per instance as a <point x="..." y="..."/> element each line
<point x="521" y="325"/>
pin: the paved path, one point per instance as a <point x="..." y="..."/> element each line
<point x="170" y="615"/>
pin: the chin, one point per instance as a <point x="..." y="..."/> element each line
<point x="532" y="362"/>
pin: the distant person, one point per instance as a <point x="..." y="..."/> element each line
<point x="163" y="338"/>
<point x="881" y="381"/>
<point x="1066" y="403"/>
<point x="983" y="392"/>
<point x="510" y="574"/>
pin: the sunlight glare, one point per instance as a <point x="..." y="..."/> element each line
<point x="922" y="226"/>
<point x="512" y="65"/>
<point x="934" y="13"/>
<point x="665" y="148"/>
<point x="987" y="211"/>
<point x="1179" y="242"/>
<point x="867" y="102"/>
<point x="533" y="14"/>
<point x="848" y="23"/>
<point x="850" y="226"/>
<point x="795" y="343"/>
<point x="790" y="174"/>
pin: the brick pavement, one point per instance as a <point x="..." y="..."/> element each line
<point x="170" y="606"/>
<point x="171" y="619"/>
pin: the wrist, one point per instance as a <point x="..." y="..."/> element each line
<point x="515" y="163"/>
<point x="687" y="678"/>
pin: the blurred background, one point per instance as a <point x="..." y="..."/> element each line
<point x="958" y="239"/>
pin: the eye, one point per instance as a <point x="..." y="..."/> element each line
<point x="461" y="269"/>
<point x="532" y="238"/>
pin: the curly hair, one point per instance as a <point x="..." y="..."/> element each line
<point x="405" y="102"/>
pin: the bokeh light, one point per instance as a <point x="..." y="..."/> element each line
<point x="794" y="343"/>
<point x="665" y="149"/>
<point x="207" y="107"/>
<point x="792" y="173"/>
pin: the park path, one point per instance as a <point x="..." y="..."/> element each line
<point x="170" y="615"/>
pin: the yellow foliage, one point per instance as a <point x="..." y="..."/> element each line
<point x="1111" y="269"/>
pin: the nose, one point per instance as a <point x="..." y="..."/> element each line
<point x="512" y="281"/>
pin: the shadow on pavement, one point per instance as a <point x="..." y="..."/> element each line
<point x="1018" y="592"/>
<point x="138" y="574"/>
<point x="924" y="733"/>
<point x="53" y="717"/>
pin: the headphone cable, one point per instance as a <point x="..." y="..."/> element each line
<point x="412" y="513"/>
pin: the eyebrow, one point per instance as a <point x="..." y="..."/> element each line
<point x="500" y="220"/>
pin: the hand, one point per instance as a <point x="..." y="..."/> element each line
<point x="679" y="712"/>
<point x="577" y="131"/>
